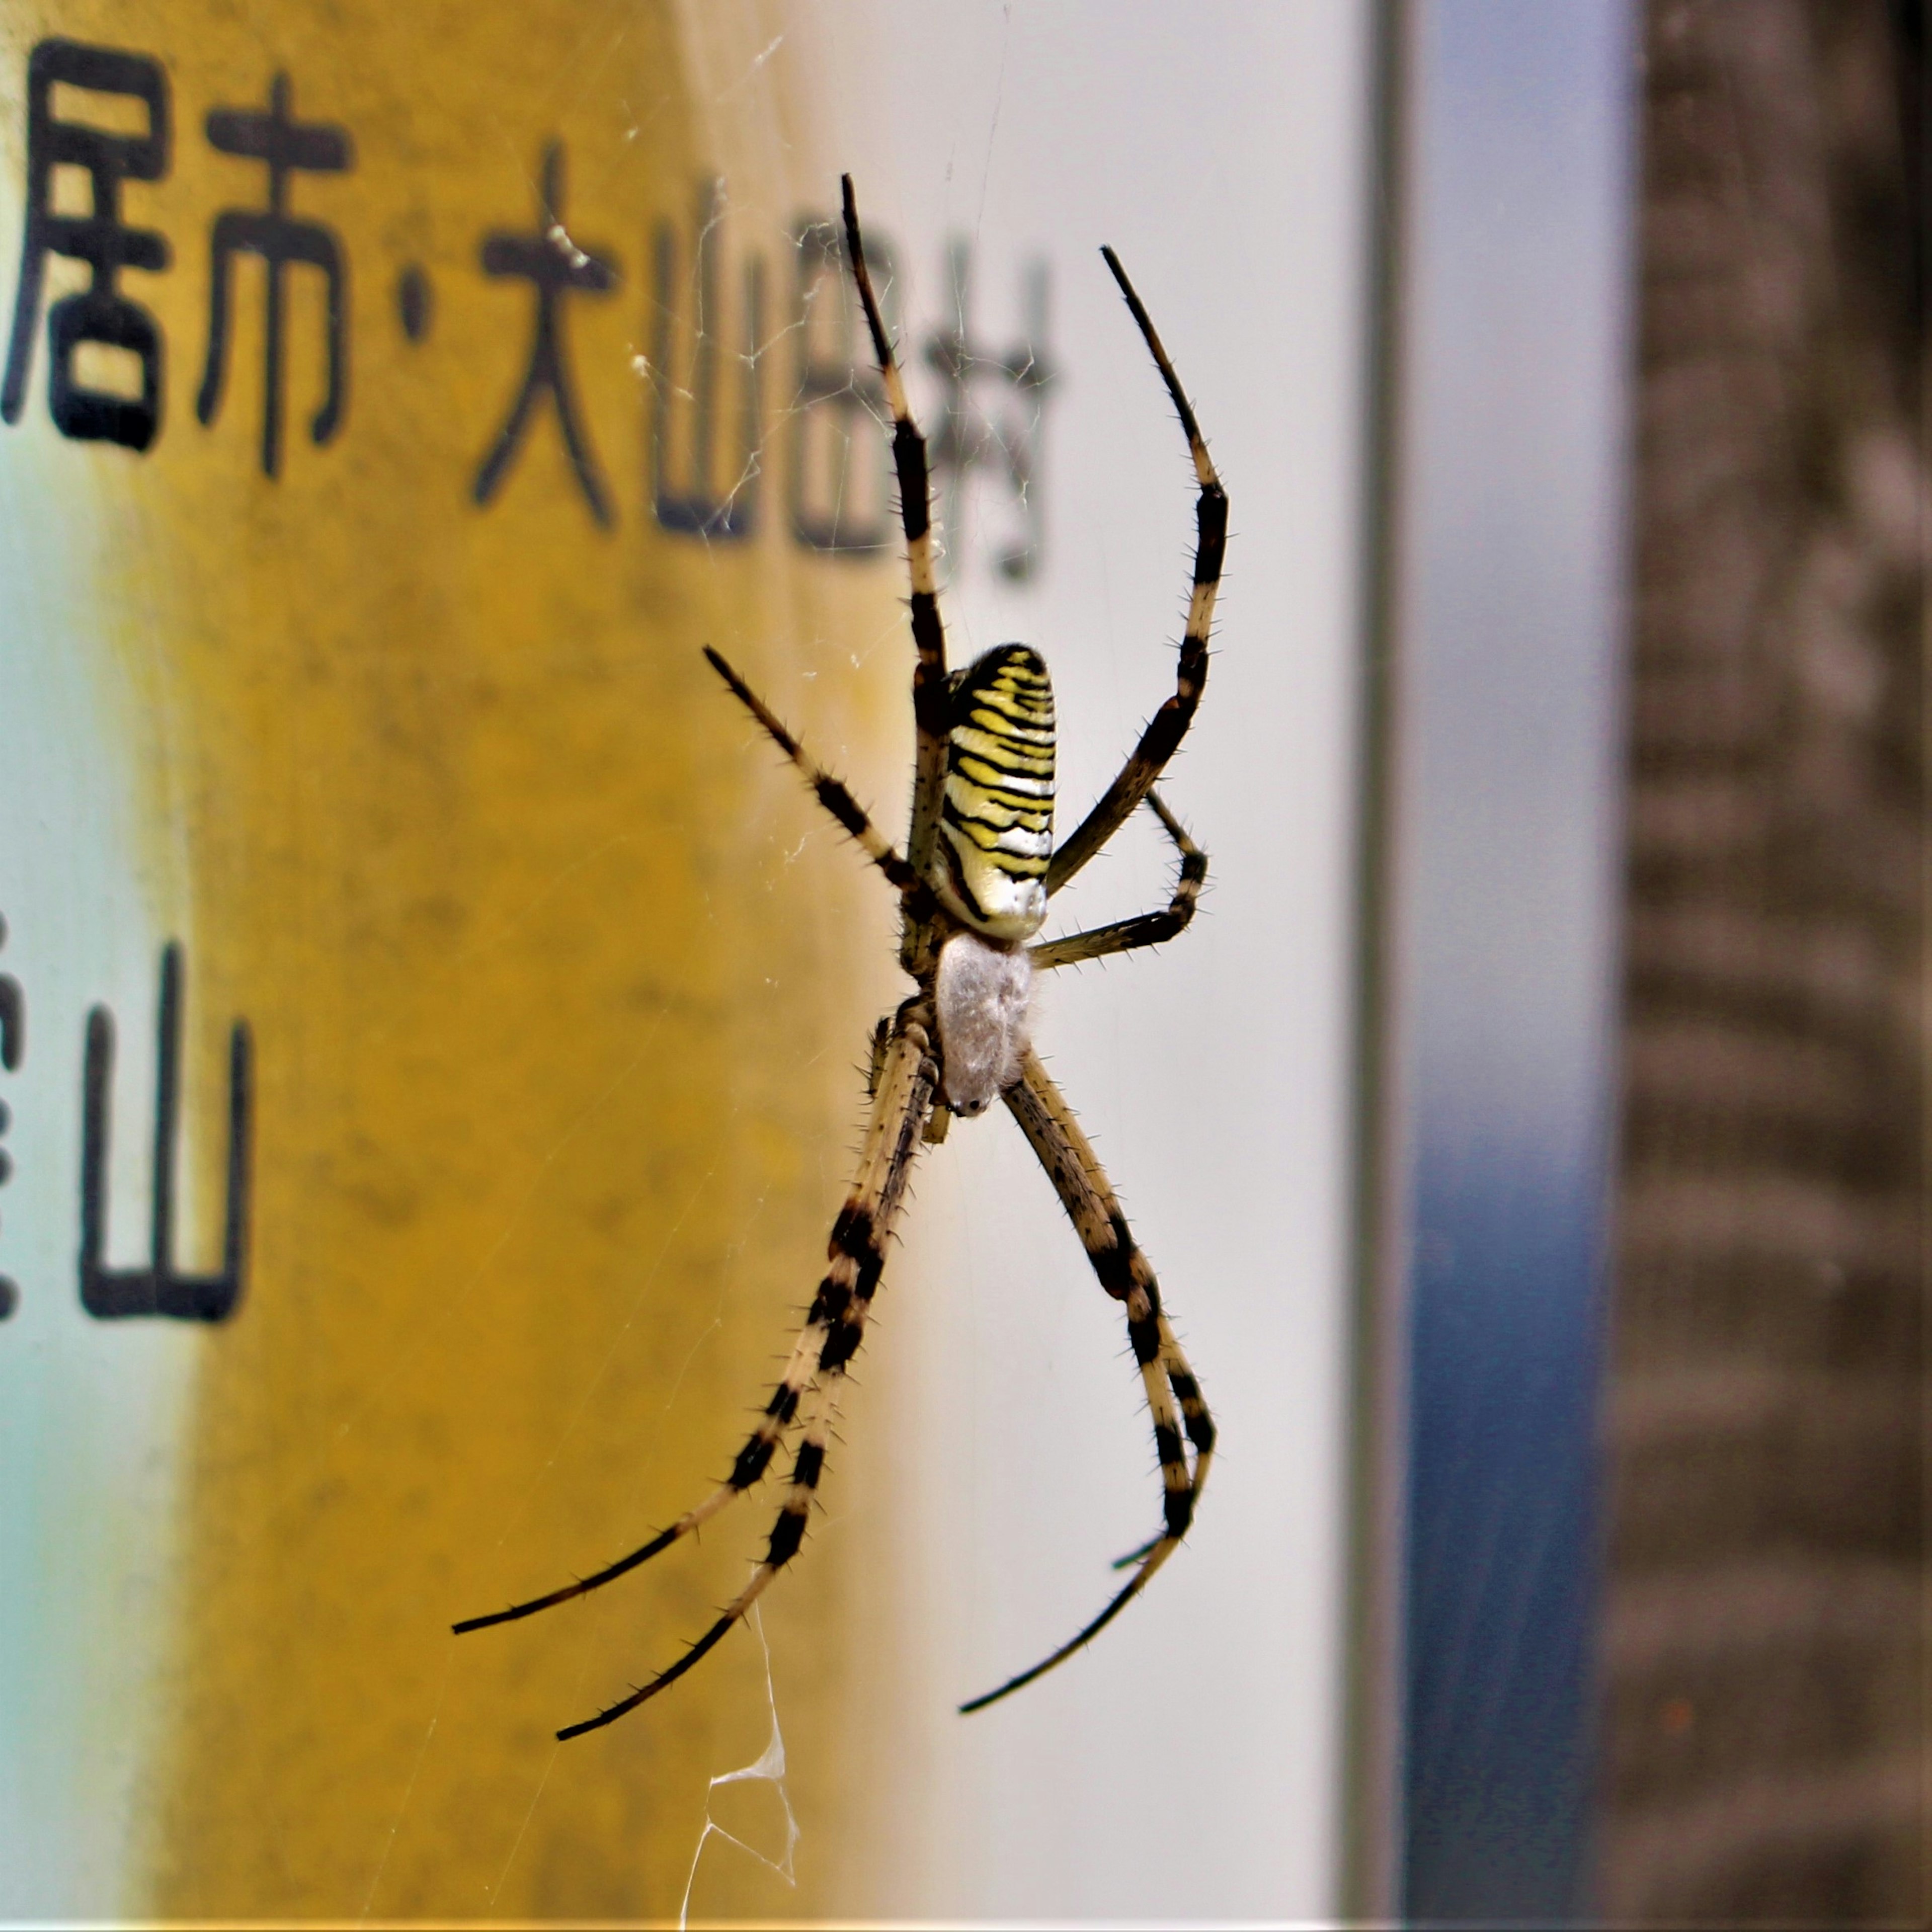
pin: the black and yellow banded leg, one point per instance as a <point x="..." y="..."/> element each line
<point x="786" y="1537"/>
<point x="1194" y="1419"/>
<point x="929" y="700"/>
<point x="747" y="1469"/>
<point x="1173" y="1395"/>
<point x="1169" y="725"/>
<point x="831" y="792"/>
<point x="1063" y="1151"/>
<point x="855" y="1254"/>
<point x="1150" y="929"/>
<point x="907" y="1076"/>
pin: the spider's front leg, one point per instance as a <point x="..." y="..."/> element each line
<point x="929" y="700"/>
<point x="1169" y="725"/>
<point x="1174" y="1396"/>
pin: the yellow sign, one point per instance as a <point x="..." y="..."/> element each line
<point x="406" y="395"/>
<point x="433" y="1017"/>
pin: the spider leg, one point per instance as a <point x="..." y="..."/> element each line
<point x="907" y="1077"/>
<point x="748" y="1468"/>
<point x="855" y="1252"/>
<point x="1169" y="725"/>
<point x="831" y="793"/>
<point x="1194" y="1418"/>
<point x="1173" y="1395"/>
<point x="788" y="1533"/>
<point x="1150" y="929"/>
<point x="929" y="634"/>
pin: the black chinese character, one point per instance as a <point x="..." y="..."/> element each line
<point x="289" y="147"/>
<point x="13" y="1020"/>
<point x="1001" y="439"/>
<point x="99" y="313"/>
<point x="698" y="509"/>
<point x="554" y="263"/>
<point x="838" y="479"/>
<point x="13" y="1044"/>
<point x="158" y="1289"/>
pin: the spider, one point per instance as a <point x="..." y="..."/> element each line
<point x="974" y="881"/>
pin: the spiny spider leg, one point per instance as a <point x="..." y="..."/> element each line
<point x="1194" y="1418"/>
<point x="929" y="706"/>
<point x="831" y="792"/>
<point x="905" y="1105"/>
<point x="908" y="1074"/>
<point x="787" y="1534"/>
<point x="1169" y="725"/>
<point x="748" y="1468"/>
<point x="1150" y="929"/>
<point x="1173" y="1395"/>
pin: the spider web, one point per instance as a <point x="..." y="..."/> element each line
<point x="768" y="1767"/>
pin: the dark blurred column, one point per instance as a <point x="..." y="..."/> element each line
<point x="1765" y="1649"/>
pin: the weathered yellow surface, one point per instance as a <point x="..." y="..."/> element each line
<point x="557" y="989"/>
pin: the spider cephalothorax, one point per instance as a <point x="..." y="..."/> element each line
<point x="973" y="883"/>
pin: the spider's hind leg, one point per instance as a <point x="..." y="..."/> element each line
<point x="1194" y="1419"/>
<point x="939" y="1120"/>
<point x="748" y="1467"/>
<point x="1173" y="1395"/>
<point x="856" y="1255"/>
<point x="906" y="1076"/>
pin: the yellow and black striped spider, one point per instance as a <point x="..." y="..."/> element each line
<point x="974" y="881"/>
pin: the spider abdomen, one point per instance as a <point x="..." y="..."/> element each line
<point x="996" y="823"/>
<point x="983" y="1000"/>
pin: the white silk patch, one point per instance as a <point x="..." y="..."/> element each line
<point x="983" y="998"/>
